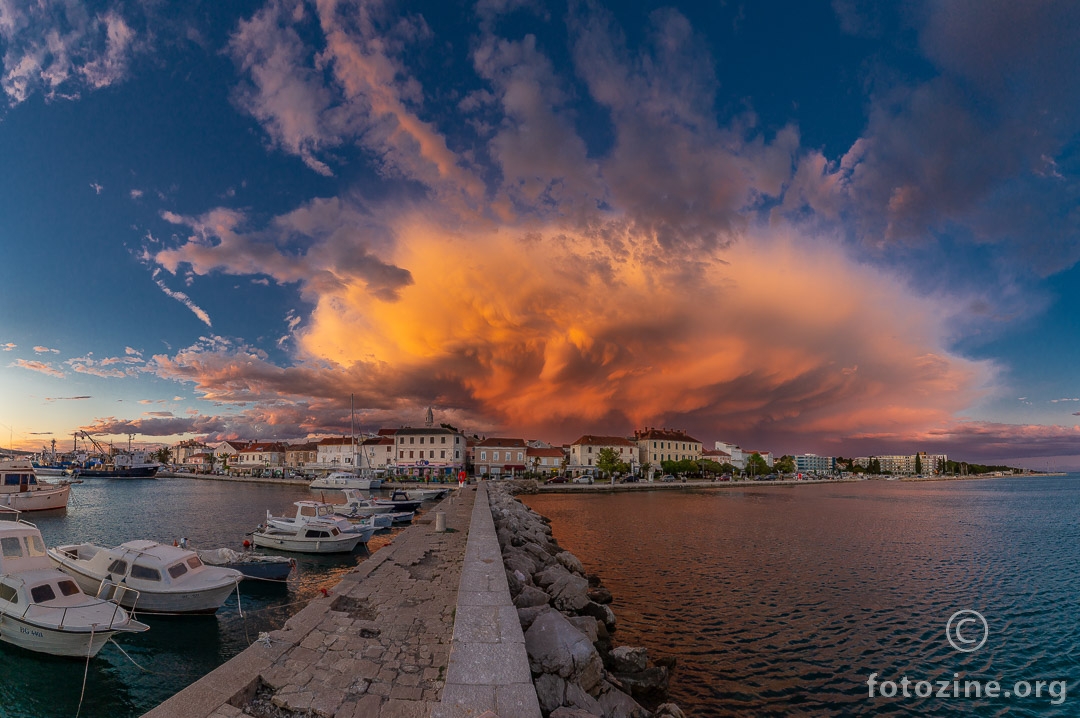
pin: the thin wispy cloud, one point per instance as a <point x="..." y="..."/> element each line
<point x="46" y="350"/>
<point x="96" y="187"/>
<point x="8" y="347"/>
<point x="38" y="366"/>
<point x="185" y="300"/>
<point x="67" y="398"/>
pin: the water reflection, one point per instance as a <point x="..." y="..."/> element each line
<point x="784" y="600"/>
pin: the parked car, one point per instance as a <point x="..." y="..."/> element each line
<point x="726" y="477"/>
<point x="557" y="480"/>
<point x="583" y="480"/>
<point x="629" y="479"/>
<point x="667" y="478"/>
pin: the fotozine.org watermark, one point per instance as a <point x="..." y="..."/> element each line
<point x="966" y="632"/>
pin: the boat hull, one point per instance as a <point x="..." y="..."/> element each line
<point x="345" y="543"/>
<point x="42" y="639"/>
<point x="40" y="499"/>
<point x="337" y="484"/>
<point x="135" y="472"/>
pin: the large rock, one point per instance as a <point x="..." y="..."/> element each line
<point x="526" y="616"/>
<point x="530" y="596"/>
<point x="538" y="554"/>
<point x="516" y="560"/>
<point x="587" y="625"/>
<point x="617" y="704"/>
<point x="547" y="576"/>
<point x="649" y="685"/>
<point x="669" y="710"/>
<point x="553" y="692"/>
<point x="601" y="613"/>
<point x="629" y="659"/>
<point x="568" y="593"/>
<point x="555" y="646"/>
<point x="600" y="595"/>
<point x="514" y="583"/>
<point x="570" y="562"/>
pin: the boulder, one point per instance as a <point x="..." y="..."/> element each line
<point x="628" y="659"/>
<point x="669" y="710"/>
<point x="514" y="583"/>
<point x="547" y="576"/>
<point x="515" y="560"/>
<point x="585" y="624"/>
<point x="538" y="554"/>
<point x="568" y="593"/>
<point x="617" y="704"/>
<point x="530" y="596"/>
<point x="553" y="693"/>
<point x="649" y="685"/>
<point x="601" y="613"/>
<point x="570" y="562"/>
<point x="600" y="595"/>
<point x="555" y="646"/>
<point x="527" y="615"/>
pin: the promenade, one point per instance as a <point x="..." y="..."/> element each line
<point x="377" y="646"/>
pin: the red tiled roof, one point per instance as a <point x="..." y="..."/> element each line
<point x="664" y="435"/>
<point x="544" y="452"/>
<point x="499" y="443"/>
<point x="603" y="441"/>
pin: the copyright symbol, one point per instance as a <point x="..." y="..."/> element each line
<point x="959" y="631"/>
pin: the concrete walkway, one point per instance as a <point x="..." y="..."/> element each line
<point x="489" y="669"/>
<point x="377" y="647"/>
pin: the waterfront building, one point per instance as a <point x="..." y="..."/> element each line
<point x="229" y="449"/>
<point x="338" y="453"/>
<point x="377" y="452"/>
<point x="429" y="450"/>
<point x="499" y="457"/>
<point x="720" y="457"/>
<point x="933" y="464"/>
<point x="658" y="445"/>
<point x="545" y="460"/>
<point x="738" y="458"/>
<point x="814" y="464"/>
<point x="300" y="456"/>
<point x="264" y="455"/>
<point x="198" y="462"/>
<point x="586" y="450"/>
<point x="767" y="455"/>
<point x="187" y="449"/>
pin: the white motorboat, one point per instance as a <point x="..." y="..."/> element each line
<point x="340" y="480"/>
<point x="314" y="538"/>
<point x="356" y="504"/>
<point x="43" y="609"/>
<point x="398" y="501"/>
<point x="20" y="490"/>
<point x="168" y="579"/>
<point x="316" y="512"/>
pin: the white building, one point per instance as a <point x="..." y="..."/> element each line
<point x="585" y="452"/>
<point x="430" y="450"/>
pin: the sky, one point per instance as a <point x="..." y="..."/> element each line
<point x="840" y="228"/>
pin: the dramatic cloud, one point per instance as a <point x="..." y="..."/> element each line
<point x="61" y="48"/>
<point x="38" y="366"/>
<point x="98" y="367"/>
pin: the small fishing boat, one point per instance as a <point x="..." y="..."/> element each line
<point x="43" y="609"/>
<point x="424" y="494"/>
<point x="314" y="538"/>
<point x="21" y="491"/>
<point x="318" y="513"/>
<point x="168" y="579"/>
<point x="398" y="501"/>
<point x="356" y="504"/>
<point x="251" y="564"/>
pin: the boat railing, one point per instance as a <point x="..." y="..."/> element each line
<point x="114" y="593"/>
<point x="36" y="610"/>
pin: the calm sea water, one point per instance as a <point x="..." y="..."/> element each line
<point x="783" y="601"/>
<point x="176" y="651"/>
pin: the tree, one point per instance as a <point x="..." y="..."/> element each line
<point x="918" y="464"/>
<point x="163" y="455"/>
<point x="211" y="459"/>
<point x="785" y="464"/>
<point x="645" y="469"/>
<point x="756" y="466"/>
<point x="608" y="460"/>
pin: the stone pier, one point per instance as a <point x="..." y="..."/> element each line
<point x="377" y="647"/>
<point x="425" y="627"/>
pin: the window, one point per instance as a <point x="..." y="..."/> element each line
<point x="307" y="510"/>
<point x="421" y="440"/>
<point x="457" y="454"/>
<point x="69" y="588"/>
<point x="12" y="547"/>
<point x="317" y="534"/>
<point x="457" y="439"/>
<point x="8" y="593"/>
<point x="402" y="454"/>
<point x="521" y="456"/>
<point x="37" y="548"/>
<point x="431" y="454"/>
<point x="496" y="457"/>
<point x="403" y="440"/>
<point x="177" y="570"/>
<point x="412" y="439"/>
<point x="443" y="440"/>
<point x="118" y="566"/>
<point x="410" y="454"/>
<point x="145" y="572"/>
<point x="42" y="593"/>
<point x="442" y="453"/>
<point x="194" y="562"/>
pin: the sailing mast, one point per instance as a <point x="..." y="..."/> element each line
<point x="352" y="429"/>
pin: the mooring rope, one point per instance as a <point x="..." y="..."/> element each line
<point x="86" y="669"/>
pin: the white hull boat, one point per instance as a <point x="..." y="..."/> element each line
<point x="166" y="579"/>
<point x="340" y="480"/>
<point x="20" y="490"/>
<point x="316" y="513"/>
<point x="425" y="494"/>
<point x="43" y="609"/>
<point x="312" y="539"/>
<point x="356" y="504"/>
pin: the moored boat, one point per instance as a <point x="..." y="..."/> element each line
<point x="317" y="513"/>
<point x="168" y="579"/>
<point x="43" y="609"/>
<point x="21" y="491"/>
<point x="340" y="480"/>
<point x="398" y="501"/>
<point x="312" y="539"/>
<point x="251" y="564"/>
<point x="356" y="504"/>
<point x="425" y="494"/>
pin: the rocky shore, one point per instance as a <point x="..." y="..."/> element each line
<point x="577" y="669"/>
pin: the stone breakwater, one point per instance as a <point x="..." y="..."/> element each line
<point x="568" y="624"/>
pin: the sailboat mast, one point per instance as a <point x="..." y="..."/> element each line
<point x="352" y="428"/>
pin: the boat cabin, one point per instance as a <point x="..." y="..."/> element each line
<point x="139" y="561"/>
<point x="21" y="548"/>
<point x="17" y="476"/>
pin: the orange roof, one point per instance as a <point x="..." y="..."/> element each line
<point x="603" y="441"/>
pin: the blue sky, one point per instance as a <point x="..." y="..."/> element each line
<point x="832" y="227"/>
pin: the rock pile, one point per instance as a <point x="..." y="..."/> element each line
<point x="568" y="624"/>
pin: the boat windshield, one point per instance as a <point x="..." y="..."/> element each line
<point x="11" y="546"/>
<point x="194" y="561"/>
<point x="177" y="570"/>
<point x="68" y="588"/>
<point x="145" y="572"/>
<point x="8" y="593"/>
<point x="307" y="510"/>
<point x="118" y="566"/>
<point x="36" y="546"/>
<point x="42" y="593"/>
